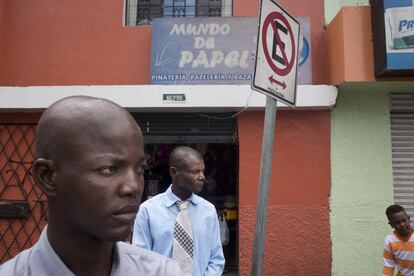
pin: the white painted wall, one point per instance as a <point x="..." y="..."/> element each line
<point x="149" y="97"/>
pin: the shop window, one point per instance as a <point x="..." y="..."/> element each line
<point x="402" y="137"/>
<point x="141" y="12"/>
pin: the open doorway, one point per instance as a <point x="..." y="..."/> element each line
<point x="214" y="135"/>
<point x="221" y="171"/>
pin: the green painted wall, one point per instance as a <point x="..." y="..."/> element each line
<point x="332" y="7"/>
<point x="361" y="176"/>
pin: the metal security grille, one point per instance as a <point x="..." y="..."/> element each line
<point x="19" y="228"/>
<point x="402" y="136"/>
<point x="141" y="12"/>
<point x="187" y="127"/>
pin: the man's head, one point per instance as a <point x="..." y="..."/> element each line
<point x="90" y="162"/>
<point x="187" y="171"/>
<point x="399" y="220"/>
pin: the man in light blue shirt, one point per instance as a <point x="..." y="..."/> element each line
<point x="155" y="222"/>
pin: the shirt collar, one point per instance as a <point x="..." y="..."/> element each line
<point x="404" y="238"/>
<point x="172" y="198"/>
<point x="53" y="265"/>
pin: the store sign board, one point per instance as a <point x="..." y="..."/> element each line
<point x="213" y="50"/>
<point x="277" y="53"/>
<point x="393" y="32"/>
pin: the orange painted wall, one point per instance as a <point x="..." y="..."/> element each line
<point x="69" y="42"/>
<point x="48" y="42"/>
<point x="350" y="46"/>
<point x="298" y="231"/>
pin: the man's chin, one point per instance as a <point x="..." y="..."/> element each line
<point x="117" y="238"/>
<point x="118" y="235"/>
<point x="404" y="233"/>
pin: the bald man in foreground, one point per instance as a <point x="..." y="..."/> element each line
<point x="89" y="162"/>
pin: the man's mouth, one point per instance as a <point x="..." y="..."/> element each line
<point x="129" y="209"/>
<point x="201" y="183"/>
<point x="126" y="214"/>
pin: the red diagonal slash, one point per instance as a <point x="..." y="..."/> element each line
<point x="275" y="81"/>
<point x="279" y="41"/>
<point x="270" y="20"/>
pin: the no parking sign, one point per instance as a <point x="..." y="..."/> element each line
<point x="277" y="53"/>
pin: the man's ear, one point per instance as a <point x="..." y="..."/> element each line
<point x="44" y="175"/>
<point x="173" y="172"/>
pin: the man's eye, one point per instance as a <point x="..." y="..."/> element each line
<point x="140" y="169"/>
<point x="107" y="170"/>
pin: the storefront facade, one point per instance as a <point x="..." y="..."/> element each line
<point x="54" y="49"/>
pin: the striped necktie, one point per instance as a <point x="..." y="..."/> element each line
<point x="183" y="239"/>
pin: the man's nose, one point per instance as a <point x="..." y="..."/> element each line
<point x="401" y="223"/>
<point x="202" y="176"/>
<point x="132" y="183"/>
